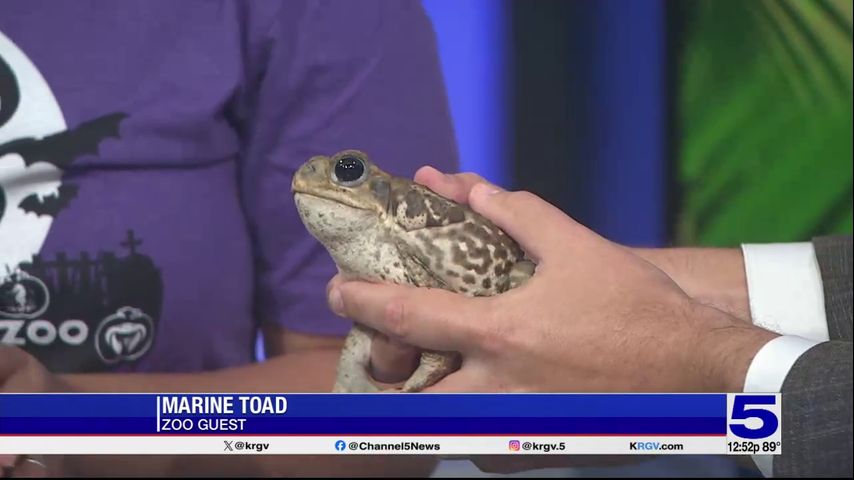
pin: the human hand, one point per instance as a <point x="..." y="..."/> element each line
<point x="711" y="276"/>
<point x="25" y="466"/>
<point x="458" y="187"/>
<point x="21" y="373"/>
<point x="606" y="320"/>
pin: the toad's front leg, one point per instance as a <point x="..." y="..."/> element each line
<point x="353" y="366"/>
<point x="434" y="367"/>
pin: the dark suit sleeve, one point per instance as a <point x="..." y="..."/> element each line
<point x="817" y="392"/>
<point x="817" y="418"/>
<point x="834" y="256"/>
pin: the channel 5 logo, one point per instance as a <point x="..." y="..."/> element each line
<point x="754" y="417"/>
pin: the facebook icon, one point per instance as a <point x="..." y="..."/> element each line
<point x="340" y="445"/>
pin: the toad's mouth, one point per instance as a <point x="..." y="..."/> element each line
<point x="342" y="201"/>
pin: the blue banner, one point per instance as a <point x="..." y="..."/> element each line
<point x="405" y="414"/>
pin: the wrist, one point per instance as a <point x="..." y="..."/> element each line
<point x="725" y="348"/>
<point x="713" y="277"/>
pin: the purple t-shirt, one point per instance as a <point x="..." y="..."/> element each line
<point x="146" y="154"/>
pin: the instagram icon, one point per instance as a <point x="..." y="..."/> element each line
<point x="514" y="445"/>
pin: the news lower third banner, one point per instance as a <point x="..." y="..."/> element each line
<point x="374" y="424"/>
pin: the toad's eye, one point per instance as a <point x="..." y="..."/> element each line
<point x="350" y="171"/>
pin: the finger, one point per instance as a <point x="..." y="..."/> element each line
<point x="333" y="284"/>
<point x="30" y="466"/>
<point x="7" y="460"/>
<point x="423" y="317"/>
<point x="455" y="187"/>
<point x="392" y="361"/>
<point x="540" y="228"/>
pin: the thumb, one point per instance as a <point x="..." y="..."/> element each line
<point x="540" y="228"/>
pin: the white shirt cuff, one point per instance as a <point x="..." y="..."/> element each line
<point x="768" y="371"/>
<point x="785" y="289"/>
<point x="772" y="363"/>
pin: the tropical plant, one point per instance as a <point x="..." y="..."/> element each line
<point x="764" y="120"/>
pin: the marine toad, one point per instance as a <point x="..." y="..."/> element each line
<point x="382" y="228"/>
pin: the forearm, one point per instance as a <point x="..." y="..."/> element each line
<point x="711" y="276"/>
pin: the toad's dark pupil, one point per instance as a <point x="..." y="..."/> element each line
<point x="349" y="169"/>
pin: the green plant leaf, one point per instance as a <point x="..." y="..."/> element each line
<point x="765" y="121"/>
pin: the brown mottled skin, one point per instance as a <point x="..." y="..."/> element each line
<point x="382" y="228"/>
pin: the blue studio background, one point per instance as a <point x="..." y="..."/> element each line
<point x="554" y="96"/>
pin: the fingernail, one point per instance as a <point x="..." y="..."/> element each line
<point x="431" y="169"/>
<point x="446" y="178"/>
<point x="487" y="189"/>
<point x="336" y="303"/>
